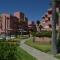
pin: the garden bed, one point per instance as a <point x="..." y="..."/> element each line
<point x="11" y="51"/>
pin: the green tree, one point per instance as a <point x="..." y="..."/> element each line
<point x="40" y="27"/>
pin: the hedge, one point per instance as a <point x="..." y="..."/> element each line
<point x="42" y="34"/>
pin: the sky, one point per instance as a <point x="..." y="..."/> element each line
<point x="33" y="9"/>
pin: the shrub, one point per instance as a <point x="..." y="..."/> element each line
<point x="33" y="33"/>
<point x="8" y="51"/>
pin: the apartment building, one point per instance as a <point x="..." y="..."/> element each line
<point x="23" y="21"/>
<point x="32" y="26"/>
<point x="19" y="15"/>
<point x="8" y="23"/>
<point x="46" y="21"/>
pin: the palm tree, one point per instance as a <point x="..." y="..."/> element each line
<point x="38" y="22"/>
<point x="54" y="40"/>
<point x="33" y="30"/>
<point x="58" y="13"/>
<point x="40" y="27"/>
<point x="59" y="22"/>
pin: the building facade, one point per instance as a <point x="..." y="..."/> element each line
<point x="46" y="21"/>
<point x="19" y="15"/>
<point x="23" y="21"/>
<point x="32" y="26"/>
<point x="8" y="23"/>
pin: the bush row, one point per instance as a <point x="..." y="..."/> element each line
<point x="42" y="34"/>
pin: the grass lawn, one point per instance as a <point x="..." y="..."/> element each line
<point x="42" y="47"/>
<point x="22" y="55"/>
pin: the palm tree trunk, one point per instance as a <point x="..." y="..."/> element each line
<point x="59" y="27"/>
<point x="38" y="30"/>
<point x="58" y="36"/>
<point x="54" y="38"/>
<point x="33" y="39"/>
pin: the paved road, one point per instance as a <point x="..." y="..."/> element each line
<point x="36" y="53"/>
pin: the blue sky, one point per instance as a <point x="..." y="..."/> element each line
<point x="33" y="9"/>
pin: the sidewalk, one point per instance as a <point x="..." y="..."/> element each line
<point x="36" y="53"/>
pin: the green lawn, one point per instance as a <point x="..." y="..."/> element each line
<point x="41" y="47"/>
<point x="22" y="55"/>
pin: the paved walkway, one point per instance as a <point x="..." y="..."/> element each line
<point x="36" y="53"/>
